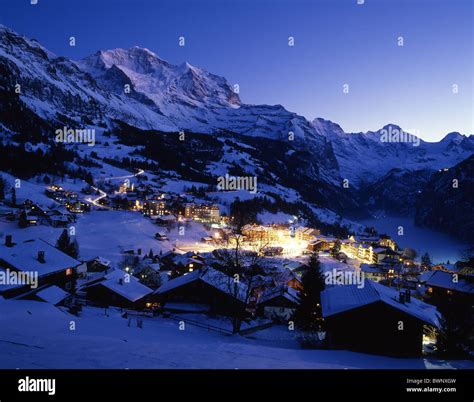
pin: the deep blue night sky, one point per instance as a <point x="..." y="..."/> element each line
<point x="336" y="42"/>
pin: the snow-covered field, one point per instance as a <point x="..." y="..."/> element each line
<point x="109" y="233"/>
<point x="41" y="338"/>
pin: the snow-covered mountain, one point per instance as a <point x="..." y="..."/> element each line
<point x="366" y="157"/>
<point x="135" y="88"/>
<point x="169" y="87"/>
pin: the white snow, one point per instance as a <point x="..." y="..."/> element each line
<point x="52" y="294"/>
<point x="24" y="256"/>
<point x="41" y="338"/>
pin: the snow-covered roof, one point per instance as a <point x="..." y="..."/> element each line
<point x="445" y="280"/>
<point x="155" y="266"/>
<point x="52" y="294"/>
<point x="125" y="285"/>
<point x="295" y="265"/>
<point x="338" y="299"/>
<point x="212" y="277"/>
<point x="178" y="282"/>
<point x="371" y="268"/>
<point x="283" y="276"/>
<point x="284" y="291"/>
<point x="24" y="257"/>
<point x="102" y="261"/>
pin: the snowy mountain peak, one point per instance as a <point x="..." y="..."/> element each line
<point x="169" y="86"/>
<point x="327" y="127"/>
<point x="137" y="59"/>
<point x="454" y="136"/>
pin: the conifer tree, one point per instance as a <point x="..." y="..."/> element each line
<point x="308" y="315"/>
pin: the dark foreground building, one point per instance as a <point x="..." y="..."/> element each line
<point x="376" y="319"/>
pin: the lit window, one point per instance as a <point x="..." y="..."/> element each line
<point x="68" y="271"/>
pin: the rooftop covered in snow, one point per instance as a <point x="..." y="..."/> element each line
<point x="24" y="257"/>
<point x="341" y="298"/>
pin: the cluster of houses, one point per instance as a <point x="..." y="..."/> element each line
<point x="68" y="199"/>
<point x="180" y="282"/>
<point x="161" y="207"/>
<point x="395" y="289"/>
<point x="29" y="213"/>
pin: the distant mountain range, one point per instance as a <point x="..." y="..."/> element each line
<point x="134" y="87"/>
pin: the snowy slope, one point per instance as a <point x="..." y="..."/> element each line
<point x="41" y="338"/>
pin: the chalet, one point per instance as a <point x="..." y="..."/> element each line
<point x="446" y="267"/>
<point x="63" y="212"/>
<point x="446" y="284"/>
<point x="297" y="267"/>
<point x="77" y="207"/>
<point x="36" y="209"/>
<point x="373" y="272"/>
<point x="150" y="275"/>
<point x="466" y="268"/>
<point x="168" y="257"/>
<point x="165" y="220"/>
<point x="278" y="304"/>
<point x="182" y="263"/>
<point x="321" y="243"/>
<point x="161" y="236"/>
<point x="51" y="265"/>
<point x="287" y="277"/>
<point x="208" y="287"/>
<point x="98" y="264"/>
<point x="59" y="194"/>
<point x="117" y="288"/>
<point x="29" y="218"/>
<point x="376" y="319"/>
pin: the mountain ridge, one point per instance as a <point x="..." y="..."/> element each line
<point x="170" y="98"/>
